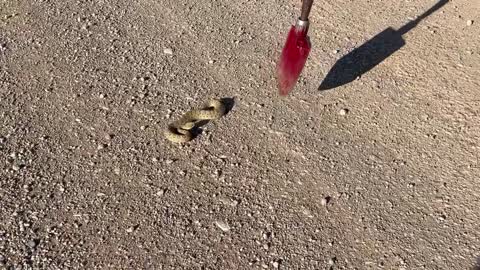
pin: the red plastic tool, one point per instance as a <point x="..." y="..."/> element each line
<point x="295" y="52"/>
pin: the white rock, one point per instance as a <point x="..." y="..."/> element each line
<point x="343" y="112"/>
<point x="307" y="212"/>
<point x="469" y="22"/>
<point x="324" y="201"/>
<point x="223" y="226"/>
<point x="32" y="244"/>
<point x="168" y="51"/>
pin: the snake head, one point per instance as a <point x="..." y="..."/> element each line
<point x="188" y="125"/>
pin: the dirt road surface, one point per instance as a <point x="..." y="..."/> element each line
<point x="371" y="163"/>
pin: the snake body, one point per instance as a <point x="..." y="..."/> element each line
<point x="180" y="130"/>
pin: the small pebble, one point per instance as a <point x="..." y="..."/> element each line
<point x="223" y="226"/>
<point x="169" y="114"/>
<point x="101" y="146"/>
<point x="168" y="51"/>
<point x="235" y="203"/>
<point x="15" y="167"/>
<point x="325" y="201"/>
<point x="132" y="228"/>
<point x="332" y="261"/>
<point x="275" y="265"/>
<point x="169" y="161"/>
<point x="307" y="212"/>
<point x="336" y="51"/>
<point x="343" y="112"/>
<point x="469" y="22"/>
<point x="211" y="62"/>
<point x="32" y="243"/>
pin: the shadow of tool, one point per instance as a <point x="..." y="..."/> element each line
<point x="371" y="53"/>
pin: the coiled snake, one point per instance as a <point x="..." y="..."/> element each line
<point x="180" y="131"/>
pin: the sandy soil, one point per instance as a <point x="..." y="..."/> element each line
<point x="371" y="163"/>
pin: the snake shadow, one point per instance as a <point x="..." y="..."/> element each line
<point x="229" y="103"/>
<point x="477" y="264"/>
<point x="371" y="53"/>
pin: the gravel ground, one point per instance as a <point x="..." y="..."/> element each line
<point x="378" y="172"/>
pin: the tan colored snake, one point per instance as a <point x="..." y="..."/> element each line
<point x="180" y="131"/>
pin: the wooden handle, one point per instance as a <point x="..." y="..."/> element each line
<point x="306" y="7"/>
